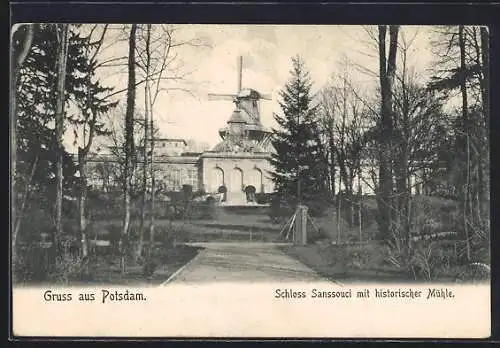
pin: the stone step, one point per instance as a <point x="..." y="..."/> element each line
<point x="236" y="198"/>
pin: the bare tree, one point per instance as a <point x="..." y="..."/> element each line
<point x="161" y="71"/>
<point x="328" y="110"/>
<point x="463" y="65"/>
<point x="402" y="139"/>
<point x="485" y="94"/>
<point x="147" y="67"/>
<point x="465" y="120"/>
<point x="129" y="143"/>
<point x="477" y="60"/>
<point x="115" y="142"/>
<point x="387" y="67"/>
<point x="343" y="128"/>
<point x="419" y="132"/>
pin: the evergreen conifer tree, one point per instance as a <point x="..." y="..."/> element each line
<point x="299" y="170"/>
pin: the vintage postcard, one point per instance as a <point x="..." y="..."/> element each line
<point x="312" y="181"/>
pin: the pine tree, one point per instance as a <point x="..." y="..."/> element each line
<point x="299" y="174"/>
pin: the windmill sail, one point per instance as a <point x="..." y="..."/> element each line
<point x="212" y="96"/>
<point x="247" y="100"/>
<point x="240" y="72"/>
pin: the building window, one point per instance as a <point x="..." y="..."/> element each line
<point x="191" y="177"/>
<point x="177" y="178"/>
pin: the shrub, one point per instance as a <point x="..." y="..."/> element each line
<point x="316" y="208"/>
<point x="432" y="214"/>
<point x="423" y="262"/>
<point x="114" y="234"/>
<point x="263" y="198"/>
<point x="199" y="193"/>
<point x="473" y="272"/>
<point x="279" y="209"/>
<point x="188" y="191"/>
<point x="316" y="235"/>
<point x="150" y="266"/>
<point x="204" y="209"/>
<point x="67" y="265"/>
<point x="31" y="263"/>
<point x="171" y="235"/>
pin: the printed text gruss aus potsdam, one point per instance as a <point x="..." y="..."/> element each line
<point x="102" y="296"/>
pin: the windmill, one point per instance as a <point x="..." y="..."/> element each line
<point x="246" y="99"/>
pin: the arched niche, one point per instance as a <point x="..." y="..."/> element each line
<point x="236" y="184"/>
<point x="217" y="179"/>
<point x="255" y="179"/>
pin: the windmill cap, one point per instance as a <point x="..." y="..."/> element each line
<point x="249" y="93"/>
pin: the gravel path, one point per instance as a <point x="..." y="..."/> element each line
<point x="249" y="262"/>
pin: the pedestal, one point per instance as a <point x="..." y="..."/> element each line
<point x="300" y="237"/>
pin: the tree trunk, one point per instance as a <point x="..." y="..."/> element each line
<point x="465" y="124"/>
<point x="82" y="221"/>
<point x="405" y="189"/>
<point x="153" y="188"/>
<point x="129" y="144"/>
<point x="331" y="145"/>
<point x="147" y="111"/>
<point x="25" y="196"/>
<point x="485" y="94"/>
<point x="59" y="127"/>
<point x="16" y="63"/>
<point x="144" y="186"/>
<point x="339" y="211"/>
<point x="360" y="205"/>
<point x="405" y="198"/>
<point x="351" y="196"/>
<point x="387" y="68"/>
<point x="82" y="162"/>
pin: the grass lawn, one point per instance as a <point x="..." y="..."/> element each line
<point x="107" y="270"/>
<point x="366" y="263"/>
<point x="228" y="225"/>
<point x="104" y="269"/>
<point x="347" y="263"/>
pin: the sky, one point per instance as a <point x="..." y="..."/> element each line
<point x="266" y="52"/>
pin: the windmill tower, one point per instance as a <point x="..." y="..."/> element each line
<point x="244" y="133"/>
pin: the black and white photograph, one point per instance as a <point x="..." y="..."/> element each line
<point x="185" y="155"/>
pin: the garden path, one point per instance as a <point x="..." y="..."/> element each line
<point x="241" y="261"/>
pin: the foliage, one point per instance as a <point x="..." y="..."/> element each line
<point x="32" y="263"/>
<point x="263" y="198"/>
<point x="36" y="142"/>
<point x="67" y="267"/>
<point x="279" y="210"/>
<point x="297" y="165"/>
